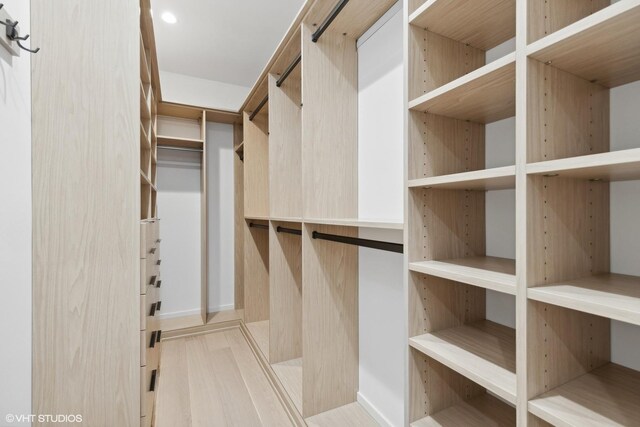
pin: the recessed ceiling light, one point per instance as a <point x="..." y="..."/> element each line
<point x="169" y="18"/>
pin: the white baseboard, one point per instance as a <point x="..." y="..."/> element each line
<point x="221" y="308"/>
<point x="373" y="411"/>
<point x="183" y="313"/>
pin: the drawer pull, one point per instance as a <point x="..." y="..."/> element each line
<point x="152" y="343"/>
<point x="152" y="251"/>
<point x="159" y="261"/>
<point x="158" y="283"/>
<point x="158" y="304"/>
<point x="153" y="310"/>
<point x="158" y="336"/>
<point x="159" y="240"/>
<point x="153" y="280"/>
<point x="152" y="386"/>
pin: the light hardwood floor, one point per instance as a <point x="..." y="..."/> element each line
<point x="215" y="380"/>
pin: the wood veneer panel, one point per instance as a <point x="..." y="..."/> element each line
<point x="329" y="321"/>
<point x="256" y="273"/>
<point x="329" y="126"/>
<point x="285" y="145"/>
<point x="86" y="203"/>
<point x="481" y="411"/>
<point x="256" y="164"/>
<point x="285" y="294"/>
<point x="547" y="17"/>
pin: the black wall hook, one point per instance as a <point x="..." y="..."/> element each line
<point x="11" y="30"/>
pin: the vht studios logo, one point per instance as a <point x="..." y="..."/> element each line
<point x="43" y="418"/>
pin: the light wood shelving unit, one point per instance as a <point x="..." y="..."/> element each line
<point x="555" y="367"/>
<point x="299" y="172"/>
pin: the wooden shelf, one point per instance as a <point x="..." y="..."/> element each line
<point x="240" y="147"/>
<point x="487" y="179"/>
<point x="482" y="24"/>
<point x="482" y="411"/>
<point x="174" y="141"/>
<point x="603" y="47"/>
<point x="286" y="219"/>
<point x="607" y="396"/>
<point x="483" y="351"/>
<point x="257" y="217"/>
<point x="493" y="273"/>
<point x="145" y="70"/>
<point x="290" y="375"/>
<point x="354" y="222"/>
<point x="612" y="166"/>
<point x="484" y="95"/>
<point x="615" y="296"/>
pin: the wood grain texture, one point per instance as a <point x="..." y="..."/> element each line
<point x="329" y="321"/>
<point x="256" y="273"/>
<point x="260" y="333"/>
<point x="352" y="415"/>
<point x="608" y="395"/>
<point x="563" y="344"/>
<point x="548" y="17"/>
<point x="567" y="116"/>
<point x="603" y="48"/>
<point x="486" y="179"/>
<point x="256" y="164"/>
<point x="482" y="351"/>
<point x="483" y="96"/>
<point x="85" y="136"/>
<point x="329" y="126"/>
<point x="285" y="141"/>
<point x="615" y="296"/>
<point x="285" y="294"/>
<point x="480" y="24"/>
<point x="290" y="375"/>
<point x="443" y="146"/>
<point x="481" y="411"/>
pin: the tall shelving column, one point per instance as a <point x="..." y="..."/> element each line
<point x="462" y="366"/>
<point x="577" y="54"/>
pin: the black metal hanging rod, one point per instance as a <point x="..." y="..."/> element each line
<point x="258" y="108"/>
<point x="289" y="69"/>
<point x="328" y="20"/>
<point x="289" y="230"/>
<point x="260" y="226"/>
<point x="356" y="241"/>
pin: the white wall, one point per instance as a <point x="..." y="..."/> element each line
<point x="15" y="223"/>
<point x="220" y="202"/>
<point x="179" y="208"/>
<point x="382" y="308"/>
<point x="204" y="93"/>
<point x="179" y="212"/>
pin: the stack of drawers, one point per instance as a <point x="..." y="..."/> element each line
<point x="150" y="333"/>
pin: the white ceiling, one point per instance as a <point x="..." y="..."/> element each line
<point x="223" y="40"/>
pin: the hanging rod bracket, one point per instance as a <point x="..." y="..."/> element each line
<point x="328" y="20"/>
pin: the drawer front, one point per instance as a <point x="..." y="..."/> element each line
<point x="143" y="348"/>
<point x="150" y="384"/>
<point x="143" y="276"/>
<point x="143" y="312"/>
<point x="152" y="348"/>
<point x="144" y="227"/>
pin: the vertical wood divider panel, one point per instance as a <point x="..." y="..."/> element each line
<point x="285" y="294"/>
<point x="204" y="218"/>
<point x="86" y="205"/>
<point x="329" y="125"/>
<point x="329" y="321"/>
<point x="238" y="172"/>
<point x="285" y="140"/>
<point x="256" y="273"/>
<point x="256" y="164"/>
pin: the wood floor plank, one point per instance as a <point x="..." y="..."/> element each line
<point x="173" y="406"/>
<point x="263" y="395"/>
<point x="352" y="415"/>
<point x="206" y="398"/>
<point x="238" y="405"/>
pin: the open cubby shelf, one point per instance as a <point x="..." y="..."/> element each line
<point x="483" y="351"/>
<point x="608" y="395"/>
<point x="483" y="410"/>
<point x="181" y="142"/>
<point x="526" y="157"/>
